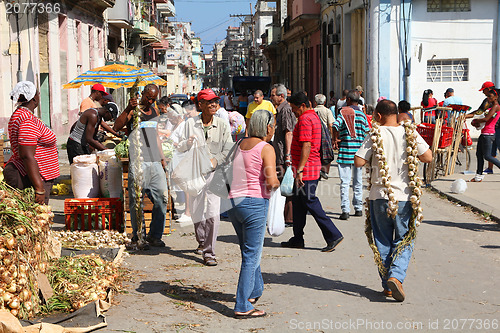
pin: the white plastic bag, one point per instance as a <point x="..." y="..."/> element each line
<point x="85" y="177"/>
<point x="275" y="214"/>
<point x="110" y="174"/>
<point x="286" y="186"/>
<point x="189" y="174"/>
<point x="459" y="186"/>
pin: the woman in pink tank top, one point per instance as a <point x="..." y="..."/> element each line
<point x="487" y="138"/>
<point x="254" y="177"/>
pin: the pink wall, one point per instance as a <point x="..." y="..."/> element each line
<point x="300" y="7"/>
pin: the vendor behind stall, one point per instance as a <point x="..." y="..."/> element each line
<point x="83" y="133"/>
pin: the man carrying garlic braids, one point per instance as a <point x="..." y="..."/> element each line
<point x="154" y="182"/>
<point x="391" y="152"/>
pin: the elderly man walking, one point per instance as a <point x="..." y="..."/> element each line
<point x="306" y="161"/>
<point x="349" y="131"/>
<point x="326" y="117"/>
<point x="213" y="133"/>
<point x="282" y="143"/>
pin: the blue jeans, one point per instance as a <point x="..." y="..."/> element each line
<point x="154" y="185"/>
<point x="387" y="234"/>
<point x="496" y="144"/>
<point x="345" y="173"/>
<point x="249" y="218"/>
<point x="305" y="200"/>
<point x="485" y="144"/>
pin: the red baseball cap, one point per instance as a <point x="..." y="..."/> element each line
<point x="99" y="87"/>
<point x="207" y="95"/>
<point x="487" y="84"/>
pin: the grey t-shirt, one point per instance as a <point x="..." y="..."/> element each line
<point x="285" y="122"/>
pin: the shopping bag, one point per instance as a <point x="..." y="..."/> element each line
<point x="275" y="214"/>
<point x="189" y="174"/>
<point x="286" y="186"/>
<point x="220" y="184"/>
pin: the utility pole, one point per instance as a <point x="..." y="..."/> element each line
<point x="244" y="16"/>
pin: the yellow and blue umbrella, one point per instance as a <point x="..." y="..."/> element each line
<point x="115" y="76"/>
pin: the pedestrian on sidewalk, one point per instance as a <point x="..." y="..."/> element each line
<point x="213" y="133"/>
<point x="394" y="203"/>
<point x="326" y="117"/>
<point x="254" y="177"/>
<point x="341" y="102"/>
<point x="306" y="161"/>
<point x="404" y="111"/>
<point x="486" y="140"/>
<point x="349" y="131"/>
<point x="282" y="143"/>
<point x="259" y="103"/>
<point x="153" y="165"/>
<point x="485" y="88"/>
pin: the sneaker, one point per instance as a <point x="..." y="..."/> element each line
<point x="156" y="242"/>
<point x="358" y="213"/>
<point x="293" y="243"/>
<point x="184" y="219"/>
<point x="477" y="179"/>
<point x="344" y="216"/>
<point x="488" y="171"/>
<point x="288" y="224"/>
<point x="330" y="247"/>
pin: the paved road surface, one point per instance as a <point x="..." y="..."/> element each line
<point x="452" y="280"/>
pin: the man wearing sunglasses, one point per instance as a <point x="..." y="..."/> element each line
<point x="214" y="134"/>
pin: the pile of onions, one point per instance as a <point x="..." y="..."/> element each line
<point x="24" y="227"/>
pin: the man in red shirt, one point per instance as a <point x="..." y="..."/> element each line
<point x="306" y="162"/>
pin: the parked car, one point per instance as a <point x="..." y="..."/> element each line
<point x="179" y="98"/>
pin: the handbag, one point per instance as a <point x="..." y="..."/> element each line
<point x="326" y="150"/>
<point x="275" y="216"/>
<point x="286" y="186"/>
<point x="220" y="185"/>
<point x="189" y="174"/>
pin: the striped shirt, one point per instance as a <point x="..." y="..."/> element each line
<point x="349" y="146"/>
<point x="27" y="130"/>
<point x="308" y="129"/>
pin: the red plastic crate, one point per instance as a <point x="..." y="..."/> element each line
<point x="427" y="133"/>
<point x="94" y="214"/>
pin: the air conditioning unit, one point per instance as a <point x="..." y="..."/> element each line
<point x="333" y="39"/>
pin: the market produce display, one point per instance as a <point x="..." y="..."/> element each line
<point x="95" y="239"/>
<point x="121" y="149"/>
<point x="24" y="227"/>
<point x="80" y="280"/>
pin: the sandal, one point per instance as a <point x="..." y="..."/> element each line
<point x="210" y="261"/>
<point x="254" y="313"/>
<point x="476" y="180"/>
<point x="253" y="300"/>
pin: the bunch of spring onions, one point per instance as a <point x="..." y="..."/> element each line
<point x="24" y="227"/>
<point x="80" y="280"/>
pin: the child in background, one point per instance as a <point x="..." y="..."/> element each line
<point x="391" y="151"/>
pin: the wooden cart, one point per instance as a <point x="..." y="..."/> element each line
<point x="147" y="205"/>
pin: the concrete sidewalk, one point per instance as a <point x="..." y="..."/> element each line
<point x="481" y="197"/>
